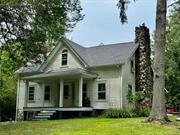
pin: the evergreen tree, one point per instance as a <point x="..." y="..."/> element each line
<point x="144" y="78"/>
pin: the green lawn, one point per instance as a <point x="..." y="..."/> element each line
<point x="90" y="126"/>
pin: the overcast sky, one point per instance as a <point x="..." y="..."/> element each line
<point x="102" y="23"/>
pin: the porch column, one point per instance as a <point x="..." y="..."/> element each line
<point x="61" y="93"/>
<point x="80" y="90"/>
<point x="26" y="93"/>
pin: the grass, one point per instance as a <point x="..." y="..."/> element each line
<point x="90" y="126"/>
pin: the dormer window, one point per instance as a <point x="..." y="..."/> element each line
<point x="64" y="57"/>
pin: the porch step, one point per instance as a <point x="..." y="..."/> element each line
<point x="45" y="115"/>
<point x="177" y="119"/>
<point x="48" y="111"/>
<point x="42" y="117"/>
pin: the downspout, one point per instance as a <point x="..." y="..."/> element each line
<point x="121" y="87"/>
<point x="120" y="79"/>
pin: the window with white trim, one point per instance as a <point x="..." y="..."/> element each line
<point x="130" y="94"/>
<point x="130" y="89"/>
<point x="31" y="93"/>
<point x="101" y="91"/>
<point x="132" y="66"/>
<point x="47" y="93"/>
<point x="64" y="57"/>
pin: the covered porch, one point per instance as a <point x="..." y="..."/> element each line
<point x="34" y="113"/>
<point x="64" y="109"/>
<point x="69" y="90"/>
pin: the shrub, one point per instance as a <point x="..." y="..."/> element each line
<point x="141" y="112"/>
<point x="123" y="113"/>
<point x="117" y="113"/>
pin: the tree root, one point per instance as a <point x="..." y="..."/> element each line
<point x="160" y="121"/>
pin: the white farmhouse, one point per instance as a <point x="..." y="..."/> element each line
<point x="76" y="81"/>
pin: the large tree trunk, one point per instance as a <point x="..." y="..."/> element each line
<point x="158" y="111"/>
<point x="0" y="113"/>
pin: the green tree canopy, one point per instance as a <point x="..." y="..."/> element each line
<point x="26" y="28"/>
<point x="173" y="55"/>
<point x="36" y="24"/>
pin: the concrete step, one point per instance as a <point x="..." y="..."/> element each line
<point x="42" y="117"/>
<point x="45" y="114"/>
<point x="177" y="119"/>
<point x="47" y="111"/>
<point x="36" y="119"/>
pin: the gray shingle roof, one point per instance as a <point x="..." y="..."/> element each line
<point x="105" y="54"/>
<point x="102" y="55"/>
<point x="65" y="72"/>
<point x="29" y="69"/>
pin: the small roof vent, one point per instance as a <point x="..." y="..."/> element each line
<point x="101" y="44"/>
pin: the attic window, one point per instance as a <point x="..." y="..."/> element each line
<point x="64" y="57"/>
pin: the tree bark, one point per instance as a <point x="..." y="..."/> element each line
<point x="0" y="113"/>
<point x="158" y="111"/>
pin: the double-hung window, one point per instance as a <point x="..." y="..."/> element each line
<point x="64" y="57"/>
<point x="132" y="66"/>
<point x="101" y="91"/>
<point x="31" y="93"/>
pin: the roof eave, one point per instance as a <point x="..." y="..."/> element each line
<point x="133" y="52"/>
<point x="63" y="74"/>
<point x="29" y="72"/>
<point x="107" y="65"/>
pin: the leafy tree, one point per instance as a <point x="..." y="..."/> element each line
<point x="172" y="65"/>
<point x="158" y="111"/>
<point x="36" y="24"/>
<point x="7" y="87"/>
<point x="26" y="28"/>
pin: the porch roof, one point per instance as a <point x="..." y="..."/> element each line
<point x="62" y="73"/>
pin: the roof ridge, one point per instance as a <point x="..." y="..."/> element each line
<point x="74" y="42"/>
<point x="111" y="44"/>
<point x="124" y="43"/>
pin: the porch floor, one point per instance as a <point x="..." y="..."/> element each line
<point x="58" y="109"/>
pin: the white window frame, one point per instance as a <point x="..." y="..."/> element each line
<point x="33" y="93"/>
<point x="64" y="51"/>
<point x="132" y="66"/>
<point x="49" y="92"/>
<point x="105" y="91"/>
<point x="130" y="88"/>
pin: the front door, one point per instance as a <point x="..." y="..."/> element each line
<point x="68" y="95"/>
